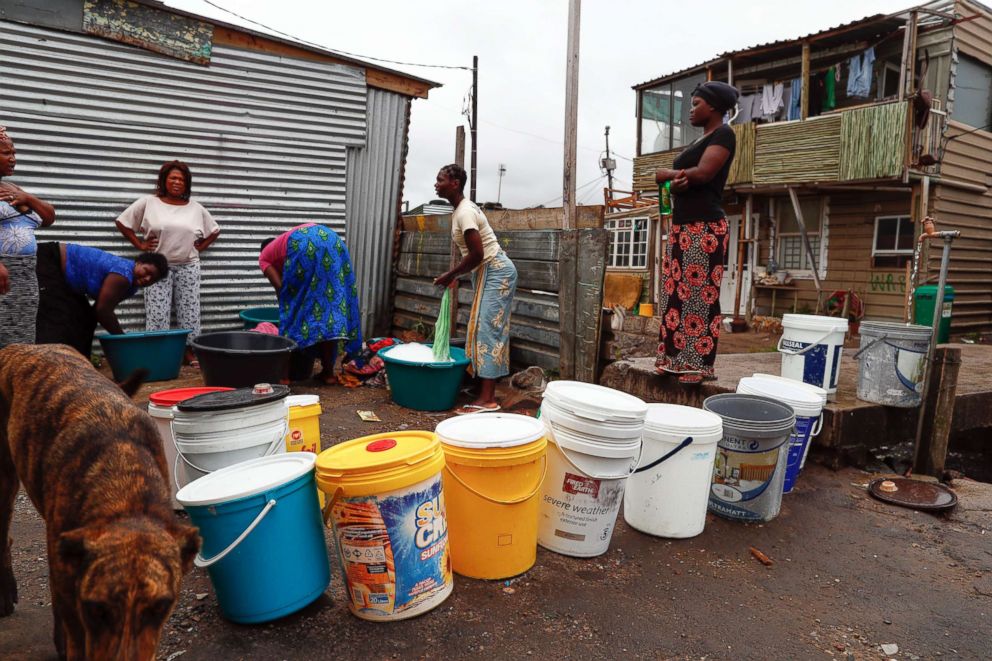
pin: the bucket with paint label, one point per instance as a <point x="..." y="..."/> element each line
<point x="808" y="387"/>
<point x="750" y="463"/>
<point x="219" y="429"/>
<point x="495" y="465"/>
<point x="386" y="503"/>
<point x="891" y="363"/>
<point x="263" y="540"/>
<point x="594" y="436"/>
<point x="807" y="406"/>
<point x="668" y="494"/>
<point x="811" y="347"/>
<point x="160" y="408"/>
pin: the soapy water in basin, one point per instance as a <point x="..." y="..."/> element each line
<point x="414" y="353"/>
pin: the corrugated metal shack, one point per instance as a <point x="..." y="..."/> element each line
<point x="98" y="94"/>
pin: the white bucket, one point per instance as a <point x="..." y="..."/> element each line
<point x="811" y="348"/>
<point x="668" y="494"/>
<point x="892" y="360"/>
<point x="162" y="415"/>
<point x="210" y="440"/>
<point x="808" y="407"/>
<point x="594" y="438"/>
<point x="808" y="387"/>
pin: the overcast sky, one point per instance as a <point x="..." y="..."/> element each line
<point x="521" y="49"/>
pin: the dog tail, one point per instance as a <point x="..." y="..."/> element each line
<point x="133" y="382"/>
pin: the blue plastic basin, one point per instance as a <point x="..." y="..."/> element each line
<point x="254" y="316"/>
<point x="159" y="352"/>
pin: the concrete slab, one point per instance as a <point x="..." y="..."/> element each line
<point x="850" y="426"/>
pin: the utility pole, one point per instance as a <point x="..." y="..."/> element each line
<point x="571" y="113"/>
<point x="499" y="190"/>
<point x="475" y="124"/>
<point x="608" y="164"/>
<point x="460" y="145"/>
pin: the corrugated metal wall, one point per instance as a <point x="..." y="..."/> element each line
<point x="373" y="200"/>
<point x="266" y="137"/>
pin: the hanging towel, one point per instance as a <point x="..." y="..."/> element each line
<point x="746" y="104"/>
<point x="829" y="90"/>
<point x="771" y="99"/>
<point x="783" y="113"/>
<point x="795" y="101"/>
<point x="862" y="69"/>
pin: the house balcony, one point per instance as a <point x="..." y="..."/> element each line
<point x="866" y="144"/>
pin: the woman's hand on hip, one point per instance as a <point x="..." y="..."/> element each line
<point x="149" y="244"/>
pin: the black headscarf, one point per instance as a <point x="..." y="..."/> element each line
<point x="721" y="96"/>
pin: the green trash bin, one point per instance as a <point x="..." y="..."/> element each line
<point x="923" y="310"/>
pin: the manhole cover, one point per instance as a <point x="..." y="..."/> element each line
<point x="915" y="494"/>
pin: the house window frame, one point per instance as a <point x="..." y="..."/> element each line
<point x="905" y="252"/>
<point x="681" y="89"/>
<point x="955" y="108"/>
<point x="823" y="234"/>
<point x="609" y="225"/>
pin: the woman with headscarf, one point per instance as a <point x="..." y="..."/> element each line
<point x="310" y="269"/>
<point x="692" y="268"/>
<point x="179" y="228"/>
<point x="20" y="215"/>
<point x="495" y="280"/>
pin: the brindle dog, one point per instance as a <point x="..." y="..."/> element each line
<point x="92" y="463"/>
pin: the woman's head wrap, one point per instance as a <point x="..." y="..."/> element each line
<point x="721" y="96"/>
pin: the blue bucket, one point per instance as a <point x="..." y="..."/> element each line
<point x="263" y="537"/>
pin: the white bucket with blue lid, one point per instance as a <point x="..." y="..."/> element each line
<point x="668" y="493"/>
<point x="808" y="407"/>
<point x="891" y="363"/>
<point x="811" y="347"/>
<point x="263" y="539"/>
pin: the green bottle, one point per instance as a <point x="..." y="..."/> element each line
<point x="665" y="198"/>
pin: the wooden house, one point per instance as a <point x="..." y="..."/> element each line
<point x="892" y="123"/>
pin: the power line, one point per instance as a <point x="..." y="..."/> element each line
<point x="555" y="199"/>
<point x="333" y="50"/>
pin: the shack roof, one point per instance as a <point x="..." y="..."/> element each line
<point x="868" y="29"/>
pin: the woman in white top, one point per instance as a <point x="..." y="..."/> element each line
<point x="179" y="228"/>
<point x="495" y="279"/>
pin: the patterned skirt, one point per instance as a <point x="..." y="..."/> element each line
<point x="19" y="306"/>
<point x="692" y="271"/>
<point x="318" y="301"/>
<point x="488" y="342"/>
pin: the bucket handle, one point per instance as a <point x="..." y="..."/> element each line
<point x="497" y="501"/>
<point x="200" y="561"/>
<point x="684" y="444"/>
<point x="870" y="345"/>
<point x="271" y="450"/>
<point x="805" y="349"/>
<point x="329" y="505"/>
<point x="818" y="427"/>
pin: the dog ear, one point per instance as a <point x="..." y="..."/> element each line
<point x="188" y="539"/>
<point x="72" y="547"/>
<point x="133" y="382"/>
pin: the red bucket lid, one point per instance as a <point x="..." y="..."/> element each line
<point x="176" y="395"/>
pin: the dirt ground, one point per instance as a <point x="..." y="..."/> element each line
<point x="849" y="575"/>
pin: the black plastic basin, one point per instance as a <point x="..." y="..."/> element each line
<point x="239" y="359"/>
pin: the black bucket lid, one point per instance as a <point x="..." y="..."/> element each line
<point x="262" y="393"/>
<point x="914" y="494"/>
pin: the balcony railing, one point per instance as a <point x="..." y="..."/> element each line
<point x="868" y="143"/>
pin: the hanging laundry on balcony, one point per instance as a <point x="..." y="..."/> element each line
<point x="746" y="112"/>
<point x="829" y="90"/>
<point x="771" y="100"/>
<point x="795" y="100"/>
<point x="859" y="79"/>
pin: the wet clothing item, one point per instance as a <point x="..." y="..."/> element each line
<point x="703" y="201"/>
<point x="86" y="268"/>
<point x="692" y="271"/>
<point x="488" y="341"/>
<point x="468" y="216"/>
<point x="176" y="226"/>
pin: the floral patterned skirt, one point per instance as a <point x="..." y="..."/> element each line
<point x="488" y="342"/>
<point x="692" y="271"/>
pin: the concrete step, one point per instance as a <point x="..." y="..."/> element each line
<point x="851" y="427"/>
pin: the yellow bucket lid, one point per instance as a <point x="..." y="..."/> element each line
<point x="379" y="463"/>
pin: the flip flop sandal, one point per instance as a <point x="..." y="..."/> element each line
<point x="469" y="409"/>
<point x="691" y="378"/>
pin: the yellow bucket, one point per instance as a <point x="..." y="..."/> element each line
<point x="494" y="467"/>
<point x="304" y="424"/>
<point x="388" y="512"/>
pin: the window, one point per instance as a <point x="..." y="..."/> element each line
<point x="889" y="85"/>
<point x="893" y="244"/>
<point x="972" y="93"/>
<point x="664" y="115"/>
<point x="791" y="251"/>
<point x="629" y="241"/>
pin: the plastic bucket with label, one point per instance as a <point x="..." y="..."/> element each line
<point x="668" y="494"/>
<point x="811" y="347"/>
<point x="594" y="436"/>
<point x="891" y="363"/>
<point x="495" y="465"/>
<point x="808" y="407"/>
<point x="263" y="542"/>
<point x="750" y="464"/>
<point x="387" y="506"/>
